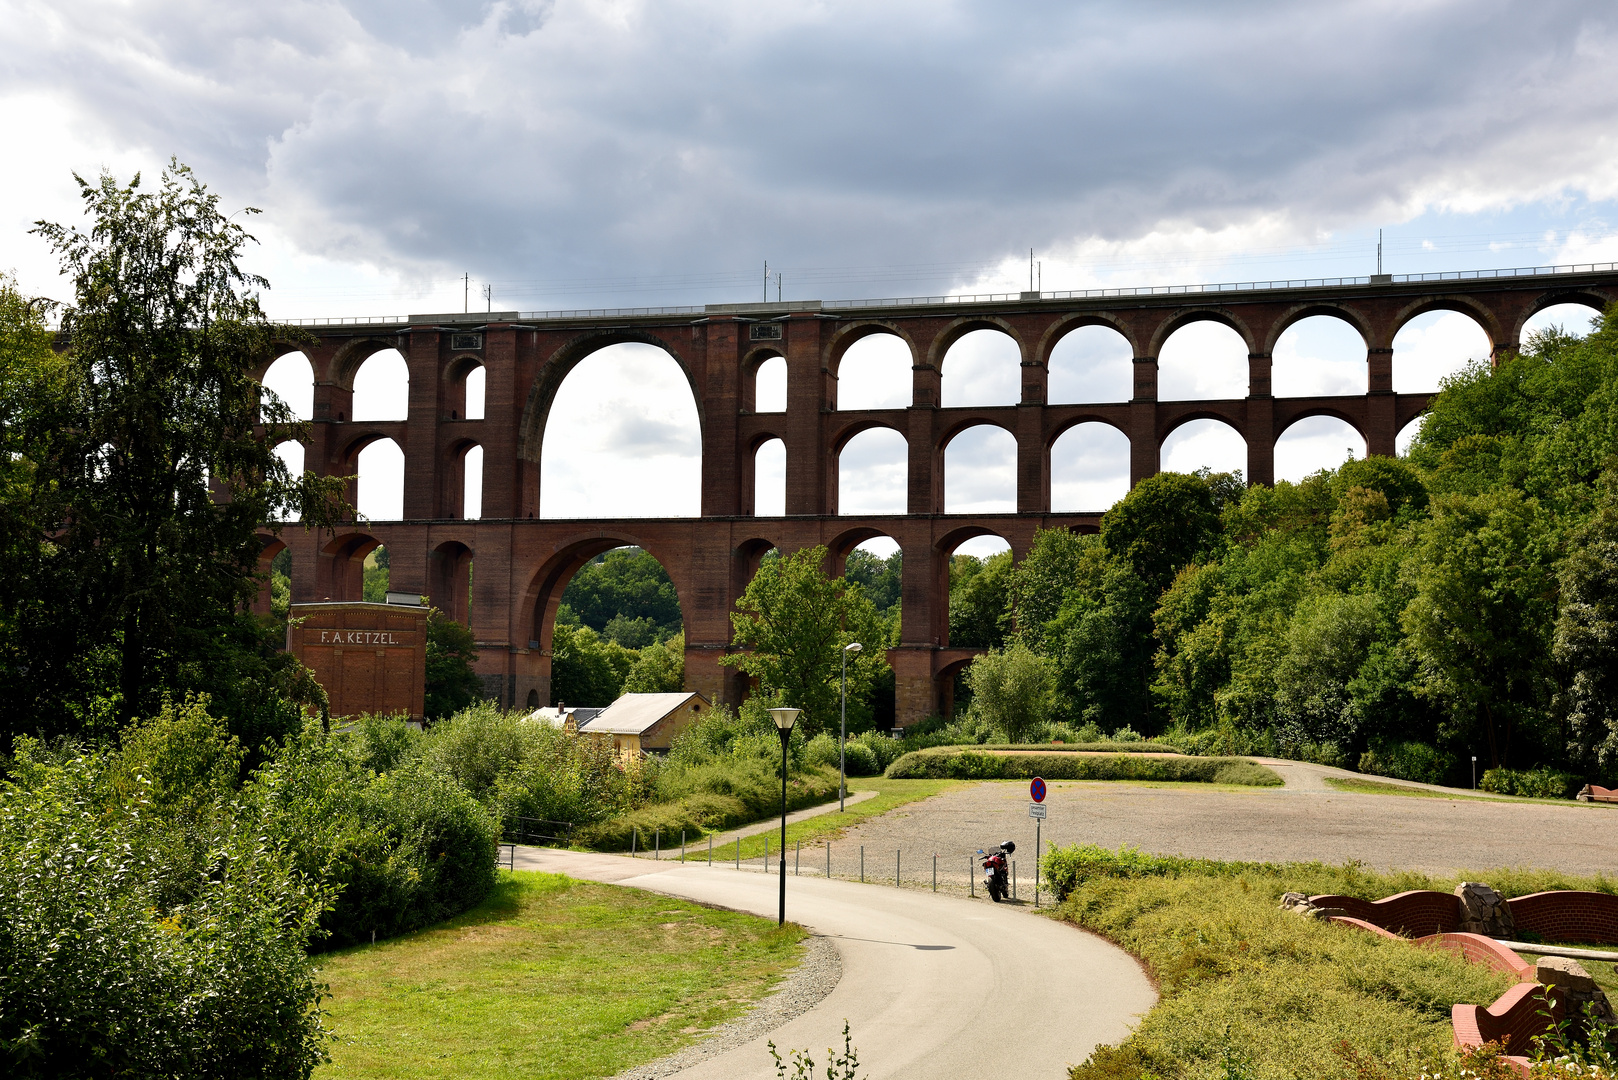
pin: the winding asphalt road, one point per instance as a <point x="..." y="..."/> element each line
<point x="933" y="986"/>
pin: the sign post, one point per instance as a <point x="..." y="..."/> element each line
<point x="1036" y="810"/>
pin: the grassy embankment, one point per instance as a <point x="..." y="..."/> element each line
<point x="549" y="977"/>
<point x="1377" y="787"/>
<point x="1250" y="990"/>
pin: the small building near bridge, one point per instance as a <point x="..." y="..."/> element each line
<point x="648" y="723"/>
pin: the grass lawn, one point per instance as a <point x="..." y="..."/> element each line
<point x="1376" y="787"/>
<point x="890" y="795"/>
<point x="1249" y="990"/>
<point x="550" y="977"/>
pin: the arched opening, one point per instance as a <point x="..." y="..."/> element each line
<point x="292" y="379"/>
<point x="1317" y="357"/>
<point x="275" y="591"/>
<point x="472" y="483"/>
<point x="875" y="373"/>
<point x="1575" y="319"/>
<point x="1204" y="444"/>
<point x="876" y="564"/>
<point x="1089" y="468"/>
<point x="871" y="473"/>
<point x="770" y="386"/>
<point x="1091" y="364"/>
<point x="1433" y="346"/>
<point x="770" y="479"/>
<point x="475" y="386"/>
<point x="982" y="367"/>
<point x="382" y="387"/>
<point x="291" y="454"/>
<point x="1315" y="443"/>
<point x="349" y="568"/>
<point x="980" y="471"/>
<point x="598" y="607"/>
<point x="377" y="576"/>
<point x="622" y="439"/>
<point x="449" y="584"/>
<point x="974" y="594"/>
<point x="1200" y="361"/>
<point x="380" y="480"/>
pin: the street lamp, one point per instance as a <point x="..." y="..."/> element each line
<point x="842" y="765"/>
<point x="783" y="723"/>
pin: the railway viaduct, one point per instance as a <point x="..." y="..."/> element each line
<point x="524" y="562"/>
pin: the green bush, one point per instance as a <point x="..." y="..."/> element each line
<point x="145" y="939"/>
<point x="860" y="759"/>
<point x="1243" y="983"/>
<point x="718" y="796"/>
<point x="887" y="750"/>
<point x="941" y="763"/>
<point x="1532" y="783"/>
<point x="1406" y="761"/>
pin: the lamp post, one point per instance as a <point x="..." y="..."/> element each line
<point x="842" y="765"/>
<point x="783" y="723"/>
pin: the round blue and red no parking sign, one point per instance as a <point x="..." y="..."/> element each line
<point x="1036" y="790"/>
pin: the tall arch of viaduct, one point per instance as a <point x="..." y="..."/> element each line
<point x="523" y="562"/>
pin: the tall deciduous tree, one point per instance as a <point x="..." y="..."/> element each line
<point x="1011" y="689"/>
<point x="792" y="622"/>
<point x="1586" y="642"/>
<point x="164" y="475"/>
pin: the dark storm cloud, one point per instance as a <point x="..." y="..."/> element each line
<point x="627" y="138"/>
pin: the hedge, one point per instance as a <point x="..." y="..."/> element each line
<point x="953" y="763"/>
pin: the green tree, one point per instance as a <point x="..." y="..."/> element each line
<point x="452" y="684"/>
<point x="980" y="608"/>
<point x="585" y="669"/>
<point x="659" y="669"/>
<point x="1165" y="522"/>
<point x="1011" y="690"/>
<point x="1586" y="638"/>
<point x="793" y="621"/>
<point x="1480" y="622"/>
<point x="165" y="474"/>
<point x="625" y="583"/>
<point x="882" y="579"/>
<point x="375" y="576"/>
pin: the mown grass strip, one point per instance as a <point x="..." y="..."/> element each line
<point x="1376" y="787"/>
<point x="974" y="764"/>
<point x="890" y="795"/>
<point x="550" y="977"/>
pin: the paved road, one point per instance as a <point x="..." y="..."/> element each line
<point x="1304" y="821"/>
<point x="934" y="987"/>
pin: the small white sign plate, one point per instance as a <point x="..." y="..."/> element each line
<point x="1037" y="810"/>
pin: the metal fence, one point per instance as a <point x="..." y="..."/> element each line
<point x="541" y="832"/>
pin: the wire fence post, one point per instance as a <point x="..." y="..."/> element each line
<point x="1014" y="879"/>
<point x="828" y="860"/>
<point x="935" y="871"/>
<point x="797" y="860"/>
<point x="710" y="849"/>
<point x="634" y="835"/>
<point x="897" y="880"/>
<point x="766" y="853"/>
<point x="657" y="839"/>
<point x="738" y="853"/>
<point x="862" y="864"/>
<point x="682" y="845"/>
<point x="971" y="877"/>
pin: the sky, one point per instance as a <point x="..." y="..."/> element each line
<point x="623" y="153"/>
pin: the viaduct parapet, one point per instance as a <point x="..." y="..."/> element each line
<point x="524" y="562"/>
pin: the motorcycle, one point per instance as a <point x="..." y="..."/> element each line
<point x="996" y="871"/>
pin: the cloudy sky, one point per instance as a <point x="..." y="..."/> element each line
<point x="624" y="153"/>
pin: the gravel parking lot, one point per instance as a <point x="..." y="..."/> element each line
<point x="1307" y="820"/>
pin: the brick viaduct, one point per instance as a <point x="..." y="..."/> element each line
<point x="524" y="562"/>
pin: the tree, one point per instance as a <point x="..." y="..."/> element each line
<point x="1011" y="690"/>
<point x="629" y="585"/>
<point x="165" y="475"/>
<point x="1586" y="641"/>
<point x="586" y="670"/>
<point x="452" y="685"/>
<point x="793" y="621"/>
<point x="1480" y="621"/>
<point x="980" y="609"/>
<point x="1164" y="523"/>
<point x="660" y="668"/>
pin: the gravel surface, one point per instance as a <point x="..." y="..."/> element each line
<point x="804" y="988"/>
<point x="1299" y="823"/>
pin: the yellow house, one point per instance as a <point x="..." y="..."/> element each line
<point x="647" y="723"/>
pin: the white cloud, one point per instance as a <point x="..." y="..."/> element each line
<point x="1202" y="360"/>
<point x="980" y="471"/>
<point x="872" y="473"/>
<point x="1315" y="443"/>
<point x="1431" y="346"/>
<point x="1204" y="444"/>
<point x="1089" y="468"/>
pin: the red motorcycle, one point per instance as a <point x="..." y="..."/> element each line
<point x="997" y="871"/>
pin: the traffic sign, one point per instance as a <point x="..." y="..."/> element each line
<point x="1036" y="790"/>
<point x="1037" y="811"/>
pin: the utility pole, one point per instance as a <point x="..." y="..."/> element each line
<point x="488" y="297"/>
<point x="1379" y="252"/>
<point x="777" y="286"/>
<point x="766" y="281"/>
<point x="466" y="293"/>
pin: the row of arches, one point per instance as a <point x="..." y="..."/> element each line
<point x="1316" y="356"/>
<point x="378" y="468"/>
<point x="381" y="387"/>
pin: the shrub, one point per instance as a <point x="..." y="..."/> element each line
<point x="860" y="759"/>
<point x="887" y="750"/>
<point x="950" y="763"/>
<point x="134" y="944"/>
<point x="1406" y="761"/>
<point x="1542" y="783"/>
<point x="821" y="750"/>
<point x="718" y="795"/>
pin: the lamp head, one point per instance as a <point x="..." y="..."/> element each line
<point x="853" y="646"/>
<point x="784" y="718"/>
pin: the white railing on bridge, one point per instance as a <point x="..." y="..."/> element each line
<point x="1013" y="297"/>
